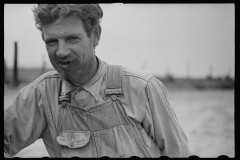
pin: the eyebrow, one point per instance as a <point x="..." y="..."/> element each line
<point x="64" y="36"/>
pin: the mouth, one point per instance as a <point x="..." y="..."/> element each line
<point x="64" y="64"/>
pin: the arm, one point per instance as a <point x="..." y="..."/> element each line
<point x="24" y="120"/>
<point x="161" y="122"/>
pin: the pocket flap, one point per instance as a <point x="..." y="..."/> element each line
<point x="74" y="139"/>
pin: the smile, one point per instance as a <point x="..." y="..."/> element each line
<point x="64" y="63"/>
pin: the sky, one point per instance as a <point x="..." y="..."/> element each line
<point x="178" y="39"/>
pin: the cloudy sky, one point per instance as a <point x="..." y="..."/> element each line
<point x="180" y="39"/>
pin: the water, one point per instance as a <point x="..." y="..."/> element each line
<point x="207" y="117"/>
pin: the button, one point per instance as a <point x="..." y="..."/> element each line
<point x="85" y="116"/>
<point x="71" y="144"/>
<point x="113" y="97"/>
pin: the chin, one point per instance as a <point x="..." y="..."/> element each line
<point x="61" y="73"/>
<point x="65" y="76"/>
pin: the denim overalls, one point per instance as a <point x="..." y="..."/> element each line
<point x="100" y="130"/>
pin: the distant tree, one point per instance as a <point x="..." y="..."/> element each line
<point x="209" y="77"/>
<point x="228" y="78"/>
<point x="169" y="77"/>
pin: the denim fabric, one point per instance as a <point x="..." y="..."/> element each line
<point x="96" y="131"/>
<point x="140" y="122"/>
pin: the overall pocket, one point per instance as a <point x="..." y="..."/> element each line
<point x="75" y="143"/>
<point x="74" y="139"/>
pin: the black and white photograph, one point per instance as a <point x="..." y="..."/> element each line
<point x="119" y="80"/>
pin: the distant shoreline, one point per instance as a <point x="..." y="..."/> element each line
<point x="27" y="75"/>
<point x="199" y="84"/>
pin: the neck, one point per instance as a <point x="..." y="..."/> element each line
<point x="87" y="76"/>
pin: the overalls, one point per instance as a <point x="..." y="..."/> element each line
<point x="100" y="130"/>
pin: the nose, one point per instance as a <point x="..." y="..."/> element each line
<point x="63" y="50"/>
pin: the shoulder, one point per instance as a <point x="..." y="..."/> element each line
<point x="136" y="74"/>
<point x="47" y="82"/>
<point x="135" y="81"/>
<point x="50" y="76"/>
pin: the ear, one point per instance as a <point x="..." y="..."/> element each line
<point x="96" y="35"/>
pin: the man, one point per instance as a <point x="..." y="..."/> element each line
<point x="87" y="108"/>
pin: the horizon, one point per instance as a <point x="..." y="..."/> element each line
<point x="178" y="39"/>
<point x="164" y="76"/>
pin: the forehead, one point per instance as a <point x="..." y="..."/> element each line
<point x="60" y="27"/>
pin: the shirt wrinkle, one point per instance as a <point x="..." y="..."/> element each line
<point x="138" y="74"/>
<point x="50" y="74"/>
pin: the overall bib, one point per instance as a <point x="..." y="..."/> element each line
<point x="100" y="130"/>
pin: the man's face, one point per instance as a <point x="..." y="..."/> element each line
<point x="70" y="50"/>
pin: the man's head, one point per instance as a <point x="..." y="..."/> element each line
<point x="91" y="14"/>
<point x="71" y="33"/>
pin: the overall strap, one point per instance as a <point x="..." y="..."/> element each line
<point x="114" y="83"/>
<point x="63" y="97"/>
<point x="113" y="90"/>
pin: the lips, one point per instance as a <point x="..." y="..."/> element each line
<point x="64" y="63"/>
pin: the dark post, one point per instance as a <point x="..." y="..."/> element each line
<point x="188" y="70"/>
<point x="43" y="65"/>
<point x="15" y="69"/>
<point x="5" y="70"/>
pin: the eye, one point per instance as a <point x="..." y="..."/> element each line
<point x="73" y="39"/>
<point x="51" y="42"/>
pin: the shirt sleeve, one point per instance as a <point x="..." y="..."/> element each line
<point x="161" y="122"/>
<point x="24" y="120"/>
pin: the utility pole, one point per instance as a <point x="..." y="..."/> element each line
<point x="187" y="70"/>
<point x="15" y="69"/>
<point x="43" y="65"/>
<point x="210" y="71"/>
<point x="229" y="71"/>
<point x="168" y="66"/>
<point x="5" y="70"/>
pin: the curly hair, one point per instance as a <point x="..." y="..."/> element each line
<point x="91" y="14"/>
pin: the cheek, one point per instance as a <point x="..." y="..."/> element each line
<point x="51" y="55"/>
<point x="50" y="50"/>
<point x="82" y="51"/>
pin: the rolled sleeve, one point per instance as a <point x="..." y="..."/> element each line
<point x="161" y="122"/>
<point x="24" y="120"/>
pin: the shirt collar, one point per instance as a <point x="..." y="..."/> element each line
<point x="93" y="86"/>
